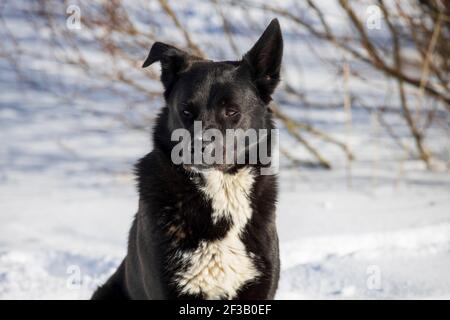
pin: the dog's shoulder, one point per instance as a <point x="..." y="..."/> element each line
<point x="155" y="171"/>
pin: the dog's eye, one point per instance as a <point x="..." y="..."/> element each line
<point x="230" y="112"/>
<point x="187" y="114"/>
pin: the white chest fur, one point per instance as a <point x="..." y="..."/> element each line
<point x="218" y="269"/>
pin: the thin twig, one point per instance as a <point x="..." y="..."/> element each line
<point x="167" y="8"/>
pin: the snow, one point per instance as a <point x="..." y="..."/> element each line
<point x="67" y="193"/>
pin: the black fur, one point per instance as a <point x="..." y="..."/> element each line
<point x="170" y="198"/>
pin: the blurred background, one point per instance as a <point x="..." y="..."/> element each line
<point x="363" y="112"/>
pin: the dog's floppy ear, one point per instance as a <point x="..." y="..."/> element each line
<point x="173" y="61"/>
<point x="264" y="60"/>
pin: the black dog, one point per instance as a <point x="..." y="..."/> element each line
<point x="205" y="233"/>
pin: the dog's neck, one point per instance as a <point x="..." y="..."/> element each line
<point x="229" y="195"/>
<point x="219" y="268"/>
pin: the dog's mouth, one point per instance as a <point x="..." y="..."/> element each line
<point x="206" y="160"/>
<point x="199" y="156"/>
<point x="198" y="168"/>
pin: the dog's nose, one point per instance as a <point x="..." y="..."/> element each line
<point x="198" y="142"/>
<point x="199" y="137"/>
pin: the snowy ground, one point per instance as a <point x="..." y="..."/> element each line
<point x="67" y="197"/>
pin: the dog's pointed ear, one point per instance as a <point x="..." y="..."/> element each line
<point x="173" y="61"/>
<point x="264" y="60"/>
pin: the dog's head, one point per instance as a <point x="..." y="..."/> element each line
<point x="220" y="95"/>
